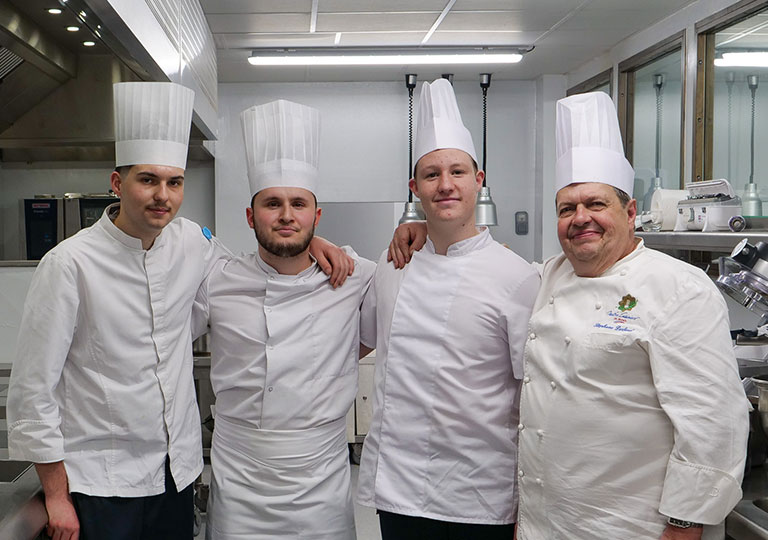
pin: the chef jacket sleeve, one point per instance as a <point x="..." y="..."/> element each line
<point x="46" y="331"/>
<point x="696" y="378"/>
<point x="516" y="313"/>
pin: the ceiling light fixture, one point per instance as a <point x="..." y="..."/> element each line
<point x="89" y="43"/>
<point x="386" y="56"/>
<point x="73" y="28"/>
<point x="743" y="59"/>
<point x="54" y="11"/>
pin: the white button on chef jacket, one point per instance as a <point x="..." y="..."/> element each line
<point x="449" y="333"/>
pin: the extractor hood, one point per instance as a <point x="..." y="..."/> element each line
<point x="56" y="105"/>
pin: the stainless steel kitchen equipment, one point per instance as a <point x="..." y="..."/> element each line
<point x="49" y="220"/>
<point x="710" y="206"/>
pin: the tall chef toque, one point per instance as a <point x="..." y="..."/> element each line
<point x="152" y="121"/>
<point x="438" y="122"/>
<point x="282" y="143"/>
<point x="588" y="143"/>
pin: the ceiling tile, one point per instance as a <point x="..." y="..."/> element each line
<point x="505" y="20"/>
<point x="483" y="38"/>
<point x="262" y="6"/>
<point x="383" y="6"/>
<point x="374" y="39"/>
<point x="249" y="41"/>
<point x="378" y="22"/>
<point x="557" y="5"/>
<point x="278" y="23"/>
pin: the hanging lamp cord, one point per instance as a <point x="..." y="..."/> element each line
<point x="752" y="142"/>
<point x="659" y="106"/>
<point x="410" y="139"/>
<point x="485" y="124"/>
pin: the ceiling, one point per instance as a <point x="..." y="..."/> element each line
<point x="565" y="33"/>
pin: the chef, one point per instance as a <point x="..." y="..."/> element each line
<point x="439" y="460"/>
<point x="284" y="351"/>
<point x="101" y="396"/>
<point x="633" y="422"/>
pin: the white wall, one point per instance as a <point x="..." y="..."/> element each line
<point x="20" y="181"/>
<point x="364" y="151"/>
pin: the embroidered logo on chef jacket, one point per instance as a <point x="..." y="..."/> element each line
<point x="619" y="319"/>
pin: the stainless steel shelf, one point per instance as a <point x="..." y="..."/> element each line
<point x="713" y="241"/>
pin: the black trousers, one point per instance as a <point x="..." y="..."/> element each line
<point x="400" y="527"/>
<point x="169" y="516"/>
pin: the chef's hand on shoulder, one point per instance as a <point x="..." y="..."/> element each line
<point x="408" y="238"/>
<point x="62" y="519"/>
<point x="332" y="260"/>
<point x="676" y="533"/>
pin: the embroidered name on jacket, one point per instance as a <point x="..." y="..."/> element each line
<point x="619" y="318"/>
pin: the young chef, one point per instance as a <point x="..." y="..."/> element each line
<point x="284" y="351"/>
<point x="633" y="422"/>
<point x="439" y="460"/>
<point x="101" y="396"/>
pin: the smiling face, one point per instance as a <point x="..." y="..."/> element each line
<point x="447" y="184"/>
<point x="150" y="197"/>
<point x="284" y="220"/>
<point x="594" y="228"/>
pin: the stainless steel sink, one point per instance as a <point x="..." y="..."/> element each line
<point x="10" y="471"/>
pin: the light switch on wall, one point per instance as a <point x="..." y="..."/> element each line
<point x="521" y="222"/>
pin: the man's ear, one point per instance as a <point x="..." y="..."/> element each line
<point x="115" y="182"/>
<point x="249" y="217"/>
<point x="413" y="186"/>
<point x="632" y="210"/>
<point x="318" y="213"/>
<point x="479" y="177"/>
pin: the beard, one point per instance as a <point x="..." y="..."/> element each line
<point x="284" y="249"/>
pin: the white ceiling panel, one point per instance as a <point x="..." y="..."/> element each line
<point x="331" y="22"/>
<point x="622" y="21"/>
<point x="500" y="20"/>
<point x="388" y="39"/>
<point x="559" y="5"/>
<point x="650" y="6"/>
<point x="483" y="38"/>
<point x="267" y="22"/>
<point x="250" y="41"/>
<point x="262" y="6"/>
<point x="382" y="6"/>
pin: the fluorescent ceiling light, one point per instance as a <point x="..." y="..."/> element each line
<point x="54" y="11"/>
<point x="743" y="59"/>
<point x="386" y="56"/>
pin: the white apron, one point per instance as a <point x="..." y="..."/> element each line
<point x="280" y="484"/>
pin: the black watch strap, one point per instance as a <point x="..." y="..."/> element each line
<point x="682" y="524"/>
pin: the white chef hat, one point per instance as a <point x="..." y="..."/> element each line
<point x="588" y="143"/>
<point x="282" y="143"/>
<point x="438" y="122"/>
<point x="152" y="121"/>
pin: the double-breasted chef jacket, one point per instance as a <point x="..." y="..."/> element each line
<point x="449" y="332"/>
<point x="103" y="373"/>
<point x="284" y="357"/>
<point x="631" y="408"/>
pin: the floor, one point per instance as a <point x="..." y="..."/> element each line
<point x="366" y="522"/>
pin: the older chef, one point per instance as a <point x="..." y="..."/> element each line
<point x="633" y="423"/>
<point x="284" y="351"/>
<point x="101" y="396"/>
<point x="439" y="460"/>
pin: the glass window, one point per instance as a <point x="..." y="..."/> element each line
<point x="652" y="89"/>
<point x="740" y="110"/>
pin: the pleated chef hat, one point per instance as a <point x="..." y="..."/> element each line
<point x="438" y="122"/>
<point x="152" y="121"/>
<point x="282" y="143"/>
<point x="588" y="143"/>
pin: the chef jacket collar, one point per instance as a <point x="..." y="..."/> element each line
<point x="463" y="247"/>
<point x="269" y="270"/>
<point x="131" y="242"/>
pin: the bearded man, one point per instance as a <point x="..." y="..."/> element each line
<point x="284" y="351"/>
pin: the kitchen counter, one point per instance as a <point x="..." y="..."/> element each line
<point x="749" y="521"/>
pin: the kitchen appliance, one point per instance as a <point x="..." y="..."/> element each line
<point x="49" y="220"/>
<point x="710" y="206"/>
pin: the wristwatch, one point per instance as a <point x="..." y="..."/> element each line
<point x="682" y="524"/>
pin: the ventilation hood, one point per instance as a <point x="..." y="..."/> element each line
<point x="56" y="105"/>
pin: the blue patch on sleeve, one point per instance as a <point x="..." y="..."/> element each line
<point x="207" y="233"/>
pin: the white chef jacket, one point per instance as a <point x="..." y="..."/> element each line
<point x="449" y="332"/>
<point x="284" y="357"/>
<point x="631" y="408"/>
<point x="103" y="373"/>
